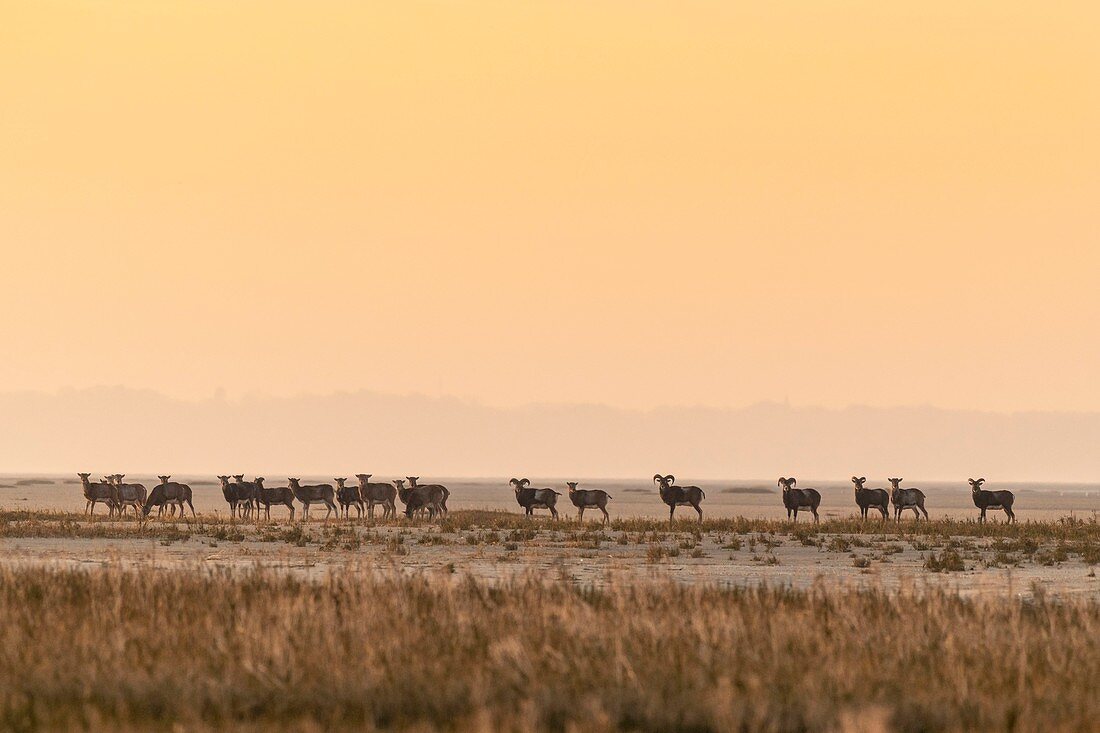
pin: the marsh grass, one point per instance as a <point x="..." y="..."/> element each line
<point x="199" y="649"/>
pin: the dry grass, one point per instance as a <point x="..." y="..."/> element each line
<point x="109" y="648"/>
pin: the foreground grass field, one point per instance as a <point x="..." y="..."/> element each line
<point x="108" y="648"/>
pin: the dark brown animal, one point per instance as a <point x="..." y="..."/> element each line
<point x="246" y="490"/>
<point x="877" y="499"/>
<point x="675" y="496"/>
<point x="169" y="492"/>
<point x="984" y="499"/>
<point x="795" y="499"/>
<point x="127" y="495"/>
<point x="586" y="498"/>
<point x="265" y="497"/>
<point x="314" y="494"/>
<point x="531" y="499"/>
<point x="424" y="498"/>
<point x="377" y="493"/>
<point x="94" y="493"/>
<point x="903" y="499"/>
<point x="437" y="489"/>
<point x="232" y="494"/>
<point x="348" y="496"/>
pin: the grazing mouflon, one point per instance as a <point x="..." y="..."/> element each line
<point x="984" y="499"/>
<point x="169" y="492"/>
<point x="438" y="491"/>
<point x="795" y="499"/>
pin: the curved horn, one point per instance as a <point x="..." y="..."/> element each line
<point x="525" y="482"/>
<point x="657" y="477"/>
<point x="513" y="481"/>
<point x="862" y="478"/>
<point x="671" y="479"/>
<point x="782" y="480"/>
<point x="792" y="482"/>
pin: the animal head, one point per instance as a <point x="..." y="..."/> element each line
<point x="340" y="482"/>
<point x="224" y="480"/>
<point x="894" y="482"/>
<point x="519" y="483"/>
<point x="164" y="479"/>
<point x="976" y="485"/>
<point x="572" y="486"/>
<point x="259" y="481"/>
<point x="292" y="481"/>
<point x="239" y="477"/>
<point x="119" y="477"/>
<point x="664" y="481"/>
<point x="363" y="477"/>
<point x="412" y="480"/>
<point x="787" y="483"/>
<point x="399" y="483"/>
<point x="109" y="480"/>
<point x="84" y="476"/>
<point x="859" y="481"/>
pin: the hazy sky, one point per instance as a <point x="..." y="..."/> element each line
<point x="632" y="203"/>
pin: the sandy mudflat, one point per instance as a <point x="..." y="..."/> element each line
<point x="587" y="556"/>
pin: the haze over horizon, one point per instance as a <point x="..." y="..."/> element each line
<point x="140" y="431"/>
<point x="558" y="211"/>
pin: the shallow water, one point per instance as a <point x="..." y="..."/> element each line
<point x="630" y="498"/>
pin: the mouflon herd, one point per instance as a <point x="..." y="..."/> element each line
<point x="246" y="498"/>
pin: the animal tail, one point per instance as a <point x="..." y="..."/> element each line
<point x="703" y="493"/>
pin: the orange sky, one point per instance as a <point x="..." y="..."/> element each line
<point x="633" y="203"/>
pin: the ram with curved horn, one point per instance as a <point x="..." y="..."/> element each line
<point x="877" y="499"/>
<point x="675" y="496"/>
<point x="984" y="499"/>
<point x="795" y="499"/>
<point x="531" y="499"/>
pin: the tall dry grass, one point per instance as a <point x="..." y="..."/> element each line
<point x="109" y="648"/>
